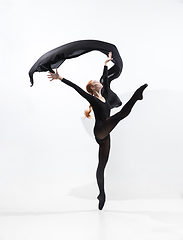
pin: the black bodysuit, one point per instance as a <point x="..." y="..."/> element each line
<point x="104" y="123"/>
<point x="101" y="109"/>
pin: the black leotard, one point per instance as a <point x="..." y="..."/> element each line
<point x="101" y="109"/>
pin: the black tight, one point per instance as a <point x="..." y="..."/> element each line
<point x="104" y="148"/>
<point x="104" y="128"/>
<point x="102" y="131"/>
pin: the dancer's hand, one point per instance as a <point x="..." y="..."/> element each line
<point x="53" y="76"/>
<point x="109" y="58"/>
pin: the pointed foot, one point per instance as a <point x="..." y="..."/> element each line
<point x="139" y="91"/>
<point x="101" y="199"/>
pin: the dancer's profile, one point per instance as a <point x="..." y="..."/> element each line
<point x="98" y="97"/>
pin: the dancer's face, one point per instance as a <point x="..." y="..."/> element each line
<point x="96" y="85"/>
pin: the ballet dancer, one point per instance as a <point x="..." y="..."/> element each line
<point x="104" y="123"/>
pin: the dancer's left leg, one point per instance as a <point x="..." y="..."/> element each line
<point x="104" y="148"/>
<point x="110" y="123"/>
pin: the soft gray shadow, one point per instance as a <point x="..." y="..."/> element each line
<point x="146" y="154"/>
<point x="121" y="192"/>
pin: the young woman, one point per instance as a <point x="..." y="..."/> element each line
<point x="104" y="123"/>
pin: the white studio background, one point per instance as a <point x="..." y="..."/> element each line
<point x="47" y="151"/>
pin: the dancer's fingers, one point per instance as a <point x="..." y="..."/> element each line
<point x="110" y="54"/>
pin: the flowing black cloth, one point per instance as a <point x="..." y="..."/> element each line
<point x="54" y="58"/>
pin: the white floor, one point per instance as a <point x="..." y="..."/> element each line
<point x="79" y="219"/>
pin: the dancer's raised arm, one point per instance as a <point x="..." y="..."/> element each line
<point x="108" y="59"/>
<point x="104" y="78"/>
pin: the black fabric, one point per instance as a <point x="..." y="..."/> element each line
<point x="54" y="58"/>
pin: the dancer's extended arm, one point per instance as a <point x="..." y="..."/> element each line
<point x="56" y="76"/>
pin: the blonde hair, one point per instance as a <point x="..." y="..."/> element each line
<point x="88" y="88"/>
